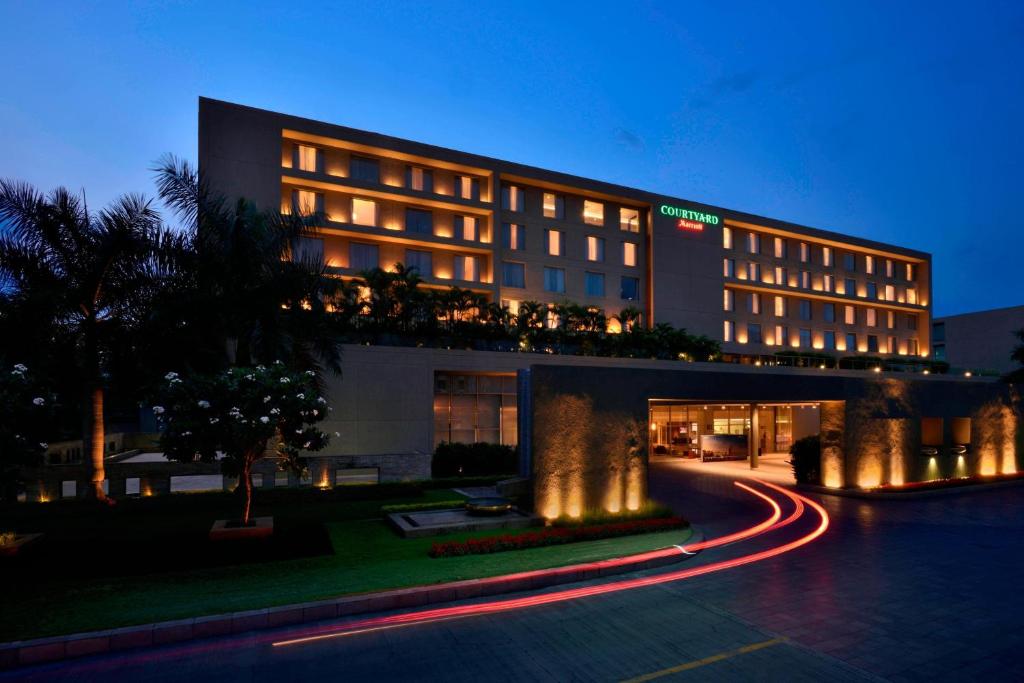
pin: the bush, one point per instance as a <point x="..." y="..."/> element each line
<point x="649" y="510"/>
<point x="805" y="457"/>
<point x="473" y="460"/>
<point x="553" y="536"/>
<point x="416" y="507"/>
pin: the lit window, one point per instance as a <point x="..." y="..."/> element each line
<point x="362" y="168"/>
<point x="869" y="265"/>
<point x="781" y="335"/>
<point x="512" y="305"/>
<point x="727" y="238"/>
<point x="805" y="252"/>
<point x="513" y="236"/>
<point x="805" y="279"/>
<point x="849" y="315"/>
<point x="729" y="267"/>
<point x="890" y="320"/>
<point x="420" y="221"/>
<point x="595" y="248"/>
<point x="871" y="316"/>
<point x="363" y="256"/>
<point x="554" y="280"/>
<point x="780" y="307"/>
<point x="629" y="289"/>
<point x="889" y="267"/>
<point x="911" y="272"/>
<point x="729" y="331"/>
<point x="826" y="256"/>
<point x="629" y="219"/>
<point x="893" y="345"/>
<point x="728" y="300"/>
<point x="628" y="254"/>
<point x="420" y="179"/>
<point x="593" y="212"/>
<point x="828" y="282"/>
<point x="306" y="201"/>
<point x="513" y="274"/>
<point x="420" y="261"/>
<point x="466" y="268"/>
<point x="552" y="319"/>
<point x="753" y="243"/>
<point x="512" y="198"/>
<point x="593" y="284"/>
<point x="307" y="158"/>
<point x="780" y="276"/>
<point x="364" y="212"/>
<point x="466" y="227"/>
<point x="890" y="293"/>
<point x="555" y="240"/>
<point x="554" y="206"/>
<point x="753" y="271"/>
<point x="911" y="295"/>
<point x="467" y="187"/>
<point x="753" y="303"/>
<point x="780" y="247"/>
<point x="912" y="347"/>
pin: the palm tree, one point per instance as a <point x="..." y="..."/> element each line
<point x="87" y="277"/>
<point x="241" y="284"/>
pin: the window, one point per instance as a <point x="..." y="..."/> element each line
<point x="851" y="341"/>
<point x="780" y="276"/>
<point x="729" y="331"/>
<point x="872" y="290"/>
<point x="849" y="286"/>
<point x="829" y="313"/>
<point x="753" y="243"/>
<point x="308" y="250"/>
<point x="938" y="332"/>
<point x="363" y="168"/>
<point x="753" y="303"/>
<point x="363" y="256"/>
<point x="911" y="272"/>
<point x="849" y="315"/>
<point x="805" y="252"/>
<point x="753" y="271"/>
<point x="894" y="345"/>
<point x="940" y="351"/>
<point x="364" y="212"/>
<point x="466" y="268"/>
<point x="512" y="305"/>
<point x="555" y="241"/>
<point x="869" y="265"/>
<point x="911" y="322"/>
<point x="305" y="202"/>
<point x="728" y="300"/>
<point x="805" y="337"/>
<point x="911" y="295"/>
<point x="466" y="227"/>
<point x="780" y="247"/>
<point x="630" y="288"/>
<point x="727" y="238"/>
<point x="781" y="335"/>
<point x="593" y="284"/>
<point x="474" y="408"/>
<point x="729" y="267"/>
<point x="420" y="261"/>
<point x="629" y="219"/>
<point x="552" y="319"/>
<point x="595" y="248"/>
<point x="554" y="280"/>
<point x="419" y="221"/>
<point x="420" y="179"/>
<point x="805" y="309"/>
<point x="628" y="254"/>
<point x="467" y="187"/>
<point x="912" y="347"/>
<point x="828" y="282"/>
<point x="890" y="320"/>
<point x="593" y="212"/>
<point x="889" y="267"/>
<point x="554" y="206"/>
<point x="513" y="236"/>
<point x="780" y="307"/>
<point x="872" y="343"/>
<point x="849" y="262"/>
<point x="308" y="157"/>
<point x="754" y="333"/>
<point x="826" y="256"/>
<point x="513" y="198"/>
<point x="805" y="279"/>
<point x="871" y="317"/>
<point x="890" y="293"/>
<point x="513" y="274"/>
<point x="830" y="339"/>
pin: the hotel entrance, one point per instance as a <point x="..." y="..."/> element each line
<point x="711" y="432"/>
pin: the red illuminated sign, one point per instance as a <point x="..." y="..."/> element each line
<point x="693" y="226"/>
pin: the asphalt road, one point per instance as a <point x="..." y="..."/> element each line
<point x="894" y="590"/>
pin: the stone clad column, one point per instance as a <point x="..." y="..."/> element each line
<point x="753" y="442"/>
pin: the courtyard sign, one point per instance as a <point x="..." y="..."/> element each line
<point x="689" y="219"/>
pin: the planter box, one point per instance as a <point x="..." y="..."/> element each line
<point x="262" y="527"/>
<point x="12" y="549"/>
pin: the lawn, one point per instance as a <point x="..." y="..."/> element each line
<point x="367" y="556"/>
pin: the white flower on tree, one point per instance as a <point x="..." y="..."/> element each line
<point x="264" y="419"/>
<point x="158" y="410"/>
<point x="203" y="404"/>
<point x="38" y="401"/>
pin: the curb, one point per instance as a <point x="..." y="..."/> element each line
<point x="56" y="648"/>
<point x="908" y="495"/>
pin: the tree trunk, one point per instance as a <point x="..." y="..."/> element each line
<point x="247" y="483"/>
<point x="96" y="444"/>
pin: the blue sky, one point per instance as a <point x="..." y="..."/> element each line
<point x="899" y="122"/>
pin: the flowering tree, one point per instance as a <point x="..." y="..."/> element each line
<point x="237" y="415"/>
<point x="27" y="410"/>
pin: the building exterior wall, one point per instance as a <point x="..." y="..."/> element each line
<point x="981" y="341"/>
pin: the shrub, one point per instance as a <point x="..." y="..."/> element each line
<point x="649" y="510"/>
<point x="552" y="536"/>
<point x="805" y="458"/>
<point x="416" y="507"/>
<point x="473" y="460"/>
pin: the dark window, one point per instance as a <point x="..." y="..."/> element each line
<point x="363" y="256"/>
<point x="630" y="290"/>
<point x="363" y="168"/>
<point x="829" y="313"/>
<point x="939" y="332"/>
<point x="554" y="280"/>
<point x="754" y="333"/>
<point x="421" y="261"/>
<point x="594" y="284"/>
<point x="830" y="339"/>
<point x="872" y="343"/>
<point x="850" y="286"/>
<point x="805" y="309"/>
<point x="419" y="221"/>
<point x="851" y="341"/>
<point x="805" y="337"/>
<point x="513" y="274"/>
<point x="872" y="290"/>
<point x="849" y="262"/>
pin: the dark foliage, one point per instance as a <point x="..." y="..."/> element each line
<point x="805" y="458"/>
<point x="473" y="459"/>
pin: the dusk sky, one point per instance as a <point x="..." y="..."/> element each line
<point x="899" y="122"/>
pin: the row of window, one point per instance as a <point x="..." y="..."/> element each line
<point x="780" y="309"/>
<point x="513" y="238"/>
<point x="780" y="275"/>
<point x="755" y="334"/>
<point x="824" y="256"/>
<point x="513" y="274"/>
<point x="513" y="198"/>
<point x="367" y="169"/>
<point x="363" y="256"/>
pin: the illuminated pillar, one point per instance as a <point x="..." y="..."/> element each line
<point x="753" y="442"/>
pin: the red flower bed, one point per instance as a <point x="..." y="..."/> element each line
<point x="553" y="536"/>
